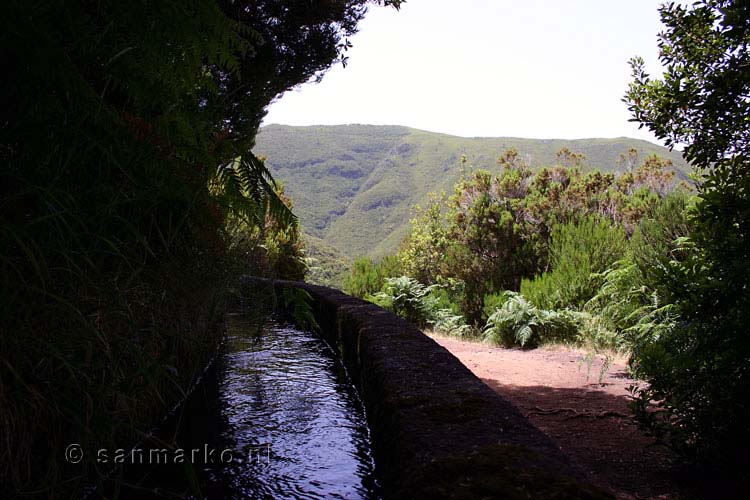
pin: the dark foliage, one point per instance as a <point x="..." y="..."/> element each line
<point x="125" y="141"/>
<point x="700" y="370"/>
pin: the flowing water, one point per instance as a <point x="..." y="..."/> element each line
<point x="289" y="405"/>
<point x="282" y="420"/>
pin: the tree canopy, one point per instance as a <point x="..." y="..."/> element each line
<point x="703" y="100"/>
<point x="700" y="369"/>
<point x="287" y="42"/>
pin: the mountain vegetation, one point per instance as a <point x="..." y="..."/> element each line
<point x="326" y="265"/>
<point x="630" y="261"/>
<point x="136" y="184"/>
<point x="354" y="185"/>
<point x="546" y="233"/>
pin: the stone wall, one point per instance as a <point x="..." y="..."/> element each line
<point x="438" y="431"/>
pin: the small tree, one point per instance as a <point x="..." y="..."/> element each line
<point x="422" y="252"/>
<point x="488" y="250"/>
<point x="368" y="277"/>
<point x="578" y="252"/>
<point x="701" y="370"/>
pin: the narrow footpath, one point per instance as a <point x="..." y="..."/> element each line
<point x="584" y="409"/>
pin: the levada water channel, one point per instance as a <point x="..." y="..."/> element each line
<point x="277" y="417"/>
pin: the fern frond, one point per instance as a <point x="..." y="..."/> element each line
<point x="247" y="189"/>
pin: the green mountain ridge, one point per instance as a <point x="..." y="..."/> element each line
<point x="353" y="186"/>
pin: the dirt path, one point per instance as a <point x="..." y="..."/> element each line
<point x="562" y="395"/>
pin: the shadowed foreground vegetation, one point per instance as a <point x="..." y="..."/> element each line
<point x="130" y="199"/>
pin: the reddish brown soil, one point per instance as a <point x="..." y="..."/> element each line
<point x="586" y="416"/>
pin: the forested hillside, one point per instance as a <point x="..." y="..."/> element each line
<point x="354" y="185"/>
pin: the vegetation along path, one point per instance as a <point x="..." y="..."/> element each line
<point x="583" y="409"/>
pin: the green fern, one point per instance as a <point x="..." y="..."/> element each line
<point x="628" y="309"/>
<point x="518" y="321"/>
<point x="298" y="303"/>
<point x="247" y="189"/>
<point x="406" y="297"/>
<point x="446" y="322"/>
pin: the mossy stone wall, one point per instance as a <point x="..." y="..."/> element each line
<point x="438" y="431"/>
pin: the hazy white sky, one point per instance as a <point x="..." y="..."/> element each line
<point x="523" y="68"/>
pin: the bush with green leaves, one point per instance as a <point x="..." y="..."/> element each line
<point x="421" y="253"/>
<point x="621" y="297"/>
<point x="421" y="305"/>
<point x="493" y="302"/>
<point x="440" y="298"/>
<point x="633" y="300"/>
<point x="270" y="247"/>
<point x="699" y="369"/>
<point x="363" y="280"/>
<point x="447" y="322"/>
<point x="661" y="241"/>
<point x="368" y="277"/>
<point x="636" y="314"/>
<point x="496" y="231"/>
<point x="578" y="251"/>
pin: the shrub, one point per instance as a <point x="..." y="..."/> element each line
<point x="543" y="290"/>
<point x="596" y="335"/>
<point x="656" y="242"/>
<point x="625" y="306"/>
<point x="520" y="322"/>
<point x="446" y="296"/>
<point x="620" y="298"/>
<point x="422" y="252"/>
<point x="699" y="372"/>
<point x="447" y="322"/>
<point x="363" y="280"/>
<point x="368" y="277"/>
<point x="578" y="251"/>
<point x="634" y="299"/>
<point x="493" y="302"/>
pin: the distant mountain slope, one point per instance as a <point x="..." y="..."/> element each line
<point x="326" y="265"/>
<point x="353" y="185"/>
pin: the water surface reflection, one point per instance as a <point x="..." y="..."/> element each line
<point x="291" y="414"/>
